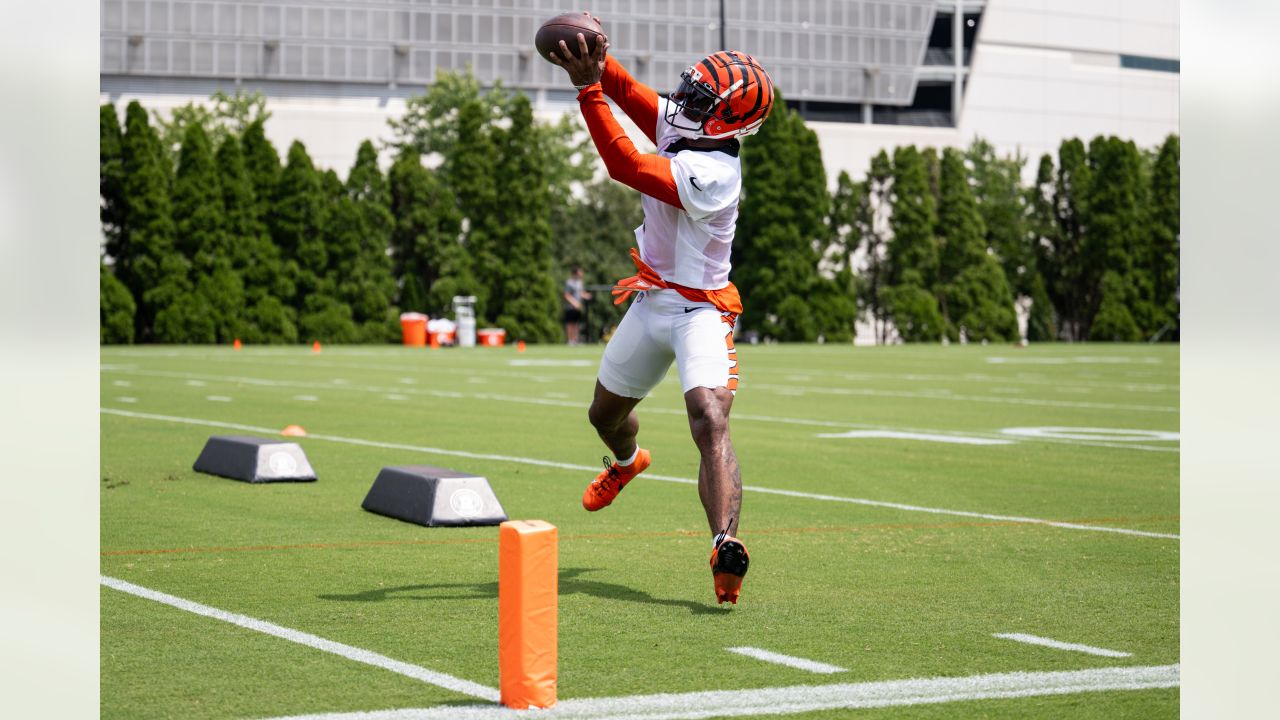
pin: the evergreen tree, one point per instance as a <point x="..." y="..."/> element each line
<point x="293" y="219"/>
<point x="525" y="299"/>
<point x="469" y="170"/>
<point x="227" y="116"/>
<point x="1165" y="233"/>
<point x="255" y="258"/>
<point x="115" y="309"/>
<point x="262" y="162"/>
<point x="371" y="288"/>
<point x="913" y="309"/>
<point x="1043" y="237"/>
<point x="781" y="234"/>
<point x="429" y="260"/>
<point x="912" y="257"/>
<point x="1116" y="239"/>
<point x="111" y="180"/>
<point x="1042" y="323"/>
<point x="1002" y="203"/>
<point x="203" y="241"/>
<point x="147" y="264"/>
<point x="595" y="232"/>
<point x="1113" y="321"/>
<point x="973" y="294"/>
<point x="872" y="220"/>
<point x="914" y="246"/>
<point x="1076" y="272"/>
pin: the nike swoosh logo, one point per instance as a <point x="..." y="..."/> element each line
<point x="694" y="182"/>
<point x="689" y="310"/>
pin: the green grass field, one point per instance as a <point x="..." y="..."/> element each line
<point x="914" y="584"/>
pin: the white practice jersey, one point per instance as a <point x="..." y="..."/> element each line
<point x="691" y="247"/>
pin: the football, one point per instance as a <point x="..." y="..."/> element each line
<point x="566" y="27"/>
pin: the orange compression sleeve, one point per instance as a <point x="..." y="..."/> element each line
<point x="636" y="99"/>
<point x="650" y="174"/>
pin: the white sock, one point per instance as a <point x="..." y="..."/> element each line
<point x="628" y="461"/>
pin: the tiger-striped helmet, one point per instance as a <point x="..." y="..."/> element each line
<point x="726" y="94"/>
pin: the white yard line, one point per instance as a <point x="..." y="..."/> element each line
<point x="548" y="402"/>
<point x="926" y="437"/>
<point x="667" y="478"/>
<point x="798" y="663"/>
<point x="926" y="395"/>
<point x="802" y="698"/>
<point x="439" y="679"/>
<point x="1058" y="645"/>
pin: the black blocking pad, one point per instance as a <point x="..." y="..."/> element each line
<point x="434" y="497"/>
<point x="254" y="459"/>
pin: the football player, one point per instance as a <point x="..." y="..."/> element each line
<point x="685" y="307"/>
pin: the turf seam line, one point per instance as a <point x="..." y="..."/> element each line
<point x="524" y="400"/>
<point x="652" y="476"/>
<point x="368" y="657"/>
<point x="1059" y="645"/>
<point x="790" y="661"/>
<point x="803" y="698"/>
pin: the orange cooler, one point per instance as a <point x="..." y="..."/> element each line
<point x="491" y="337"/>
<point x="414" y="328"/>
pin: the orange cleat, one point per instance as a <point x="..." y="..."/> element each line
<point x="729" y="562"/>
<point x="609" y="483"/>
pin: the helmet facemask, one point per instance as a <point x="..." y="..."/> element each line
<point x="692" y="105"/>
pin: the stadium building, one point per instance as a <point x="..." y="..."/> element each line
<point x="867" y="74"/>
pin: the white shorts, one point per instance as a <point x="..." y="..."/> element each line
<point x="661" y="326"/>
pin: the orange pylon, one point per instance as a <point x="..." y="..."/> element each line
<point x="293" y="431"/>
<point x="315" y="346"/>
<point x="519" y="346"/>
<point x="236" y="344"/>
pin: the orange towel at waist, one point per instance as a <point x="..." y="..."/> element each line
<point x="646" y="278"/>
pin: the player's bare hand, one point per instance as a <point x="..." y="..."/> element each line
<point x="586" y="68"/>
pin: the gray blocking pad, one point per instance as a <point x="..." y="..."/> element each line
<point x="434" y="497"/>
<point x="254" y="459"/>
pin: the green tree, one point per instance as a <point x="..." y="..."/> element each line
<point x="255" y="258"/>
<point x="228" y="116"/>
<point x="370" y="288"/>
<point x="147" y="260"/>
<point x="203" y="241"/>
<point x="972" y="292"/>
<point x="111" y="179"/>
<point x="913" y="309"/>
<point x="1002" y="203"/>
<point x="1117" y="237"/>
<point x="293" y="218"/>
<point x="1077" y="271"/>
<point x="912" y="255"/>
<point x="1042" y="323"/>
<point x="115" y="309"/>
<point x="525" y="298"/>
<point x="1113" y="321"/>
<point x="430" y="262"/>
<point x="871" y="221"/>
<point x="262" y="163"/>
<point x="1166" y="233"/>
<point x="595" y="232"/>
<point x="469" y="170"/>
<point x="782" y="233"/>
<point x="915" y="217"/>
<point x="1044" y="237"/>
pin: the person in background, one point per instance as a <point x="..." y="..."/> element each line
<point x="574" y="295"/>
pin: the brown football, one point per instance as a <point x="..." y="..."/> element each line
<point x="566" y="27"/>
